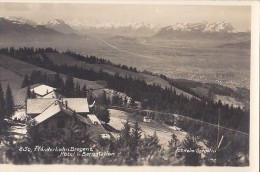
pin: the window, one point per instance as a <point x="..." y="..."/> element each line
<point x="61" y="123"/>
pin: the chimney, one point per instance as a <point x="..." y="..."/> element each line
<point x="66" y="104"/>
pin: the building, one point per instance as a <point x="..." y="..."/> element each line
<point x="65" y="118"/>
<point x="146" y="119"/>
<point x="35" y="107"/>
<point x="62" y="121"/>
<point x="44" y="91"/>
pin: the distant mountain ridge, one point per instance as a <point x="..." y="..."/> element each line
<point x="19" y="31"/>
<point x="22" y="29"/>
<point x="21" y="20"/>
<point x="60" y="26"/>
<point x="201" y="30"/>
<point x="19" y="27"/>
<point x="121" y="29"/>
<point x="220" y="27"/>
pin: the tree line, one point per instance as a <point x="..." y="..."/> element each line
<point x="131" y="147"/>
<point x="68" y="88"/>
<point x="151" y="96"/>
<point x="7" y="107"/>
<point x="96" y="60"/>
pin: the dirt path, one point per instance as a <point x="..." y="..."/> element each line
<point x="118" y="118"/>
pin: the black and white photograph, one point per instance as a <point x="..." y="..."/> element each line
<point x="126" y="84"/>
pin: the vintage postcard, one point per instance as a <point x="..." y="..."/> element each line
<point x="129" y="84"/>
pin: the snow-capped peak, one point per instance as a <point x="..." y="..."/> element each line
<point x="128" y="25"/>
<point x="223" y="27"/>
<point x="21" y="20"/>
<point x="55" y="22"/>
<point x="111" y="25"/>
<point x="220" y="27"/>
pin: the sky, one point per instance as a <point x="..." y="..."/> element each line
<point x="159" y="15"/>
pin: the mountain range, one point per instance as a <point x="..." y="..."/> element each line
<point x="220" y="27"/>
<point x="137" y="29"/>
<point x="22" y="31"/>
<point x="201" y="30"/>
<point x="19" y="28"/>
<point x="60" y="26"/>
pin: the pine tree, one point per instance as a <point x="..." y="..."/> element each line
<point x="136" y="134"/>
<point x="104" y="99"/>
<point x="191" y="158"/>
<point x="25" y="82"/>
<point x="33" y="94"/>
<point x="155" y="142"/>
<point x="125" y="101"/>
<point x="69" y="87"/>
<point x="84" y="91"/>
<point x="58" y="81"/>
<point x="28" y="92"/>
<point x="90" y="97"/>
<point x="116" y="100"/>
<point x="125" y="134"/>
<point x="2" y="109"/>
<point x="135" y="141"/>
<point x="150" y="145"/>
<point x="102" y="113"/>
<point x="77" y="90"/>
<point x="106" y="115"/>
<point x="9" y="102"/>
<point x="173" y="142"/>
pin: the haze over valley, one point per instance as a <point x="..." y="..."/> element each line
<point x="138" y="82"/>
<point x="206" y="52"/>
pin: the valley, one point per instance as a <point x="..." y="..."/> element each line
<point x="184" y="82"/>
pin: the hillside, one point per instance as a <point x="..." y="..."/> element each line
<point x="58" y="58"/>
<point x="21" y="31"/>
<point x="230" y="96"/>
<point x="198" y="90"/>
<point x="12" y="71"/>
<point x="237" y="97"/>
<point x="239" y="45"/>
<point x="164" y="132"/>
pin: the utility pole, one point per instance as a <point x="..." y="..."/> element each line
<point x="218" y="127"/>
<point x="218" y="142"/>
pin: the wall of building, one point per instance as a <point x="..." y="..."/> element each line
<point x="62" y="126"/>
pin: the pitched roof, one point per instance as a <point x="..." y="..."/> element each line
<point x="79" y="117"/>
<point x="43" y="90"/>
<point x="49" y="112"/>
<point x="50" y="95"/>
<point x="38" y="105"/>
<point x="55" y="108"/>
<point x="80" y="105"/>
<point x="94" y="119"/>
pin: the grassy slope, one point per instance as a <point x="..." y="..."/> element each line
<point x="12" y="71"/>
<point x="230" y="96"/>
<point x="66" y="59"/>
<point x="118" y="118"/>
